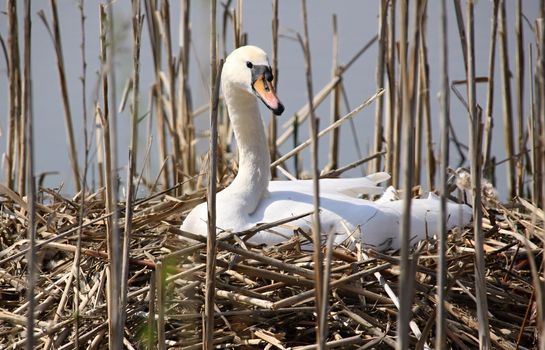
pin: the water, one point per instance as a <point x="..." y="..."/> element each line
<point x="357" y="24"/>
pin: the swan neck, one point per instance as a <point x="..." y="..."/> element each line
<point x="252" y="179"/>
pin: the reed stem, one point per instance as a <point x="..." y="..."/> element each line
<point x="375" y="166"/>
<point x="444" y="105"/>
<point x="273" y="128"/>
<point x="321" y="281"/>
<point x="406" y="277"/>
<point x="507" y="103"/>
<point x="476" y="171"/>
<point x="210" y="283"/>
<point x="31" y="181"/>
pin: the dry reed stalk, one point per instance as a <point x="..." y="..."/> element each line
<point x="27" y="113"/>
<point x="540" y="82"/>
<point x="372" y="328"/>
<point x="246" y="272"/>
<point x="424" y="77"/>
<point x="375" y="166"/>
<point x="186" y="127"/>
<point x="55" y="33"/>
<point x="215" y="77"/>
<point x="298" y="298"/>
<point x="333" y="126"/>
<point x="133" y="151"/>
<point x="22" y="151"/>
<point x="461" y="30"/>
<point x="82" y="213"/>
<point x="417" y="97"/>
<point x="14" y="97"/>
<point x="476" y="171"/>
<point x="104" y="120"/>
<point x="444" y="115"/>
<point x="115" y="328"/>
<point x="273" y="128"/>
<point x="534" y="134"/>
<point x="392" y="92"/>
<point x="74" y="273"/>
<point x="335" y="102"/>
<point x="406" y="274"/>
<point x="507" y="103"/>
<point x="160" y="290"/>
<point x="225" y="20"/>
<point x="304" y="111"/>
<point x="152" y="310"/>
<point x="163" y="20"/>
<point x="489" y="122"/>
<point x="237" y="23"/>
<point x="536" y="112"/>
<point x="321" y="281"/>
<point x="337" y="172"/>
<point x="519" y="95"/>
<point x="157" y="88"/>
<point x="320" y="96"/>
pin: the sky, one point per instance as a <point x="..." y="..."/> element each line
<point x="357" y="24"/>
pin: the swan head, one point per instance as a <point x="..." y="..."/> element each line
<point x="247" y="70"/>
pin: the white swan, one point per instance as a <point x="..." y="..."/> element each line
<point x="251" y="198"/>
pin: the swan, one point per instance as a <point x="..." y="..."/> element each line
<point x="252" y="198"/>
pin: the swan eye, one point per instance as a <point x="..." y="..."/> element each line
<point x="249" y="64"/>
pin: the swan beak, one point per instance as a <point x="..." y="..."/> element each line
<point x="263" y="87"/>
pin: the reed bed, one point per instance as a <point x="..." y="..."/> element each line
<point x="264" y="295"/>
<point x="107" y="267"/>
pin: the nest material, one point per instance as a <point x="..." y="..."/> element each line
<point x="264" y="295"/>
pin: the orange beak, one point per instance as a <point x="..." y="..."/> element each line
<point x="263" y="87"/>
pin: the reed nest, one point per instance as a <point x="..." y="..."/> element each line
<point x="265" y="296"/>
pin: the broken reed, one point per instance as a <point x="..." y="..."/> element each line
<point x="171" y="109"/>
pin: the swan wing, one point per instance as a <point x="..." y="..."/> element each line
<point x="352" y="187"/>
<point x="349" y="219"/>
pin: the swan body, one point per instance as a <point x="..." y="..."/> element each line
<point x="252" y="199"/>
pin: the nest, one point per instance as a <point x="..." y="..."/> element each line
<point x="265" y="296"/>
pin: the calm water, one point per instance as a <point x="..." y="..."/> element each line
<point x="357" y="24"/>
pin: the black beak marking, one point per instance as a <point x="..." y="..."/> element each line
<point x="261" y="71"/>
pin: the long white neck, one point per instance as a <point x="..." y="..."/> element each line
<point x="252" y="179"/>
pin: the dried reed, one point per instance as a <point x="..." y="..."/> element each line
<point x="210" y="286"/>
<point x="27" y="113"/>
<point x="321" y="281"/>
<point x="476" y="166"/>
<point x="444" y="120"/>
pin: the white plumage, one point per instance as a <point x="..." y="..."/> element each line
<point x="252" y="199"/>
